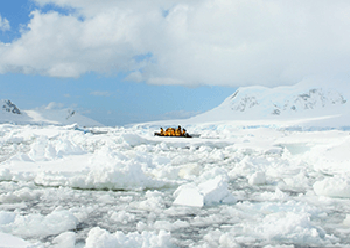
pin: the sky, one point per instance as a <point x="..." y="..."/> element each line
<point x="122" y="62"/>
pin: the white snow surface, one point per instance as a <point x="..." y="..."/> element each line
<point x="232" y="187"/>
<point x="279" y="181"/>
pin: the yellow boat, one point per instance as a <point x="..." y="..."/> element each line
<point x="172" y="132"/>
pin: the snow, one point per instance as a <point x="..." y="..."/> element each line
<point x="9" y="241"/>
<point x="337" y="186"/>
<point x="43" y="116"/>
<point x="188" y="195"/>
<point x="127" y="188"/>
<point x="99" y="238"/>
<point x="242" y="183"/>
<point x="280" y="103"/>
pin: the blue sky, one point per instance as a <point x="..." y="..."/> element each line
<point x="109" y="99"/>
<point x="122" y="62"/>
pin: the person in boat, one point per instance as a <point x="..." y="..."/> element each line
<point x="178" y="131"/>
<point x="162" y="133"/>
<point x="170" y="132"/>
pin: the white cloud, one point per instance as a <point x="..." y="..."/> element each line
<point x="66" y="95"/>
<point x="211" y="42"/>
<point x="4" y="24"/>
<point x="135" y="76"/>
<point x="100" y="93"/>
<point x="54" y="105"/>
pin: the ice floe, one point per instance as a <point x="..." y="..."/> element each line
<point x="231" y="187"/>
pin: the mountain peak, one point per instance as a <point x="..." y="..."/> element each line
<point x="10" y="113"/>
<point x="280" y="103"/>
<point x="9" y="107"/>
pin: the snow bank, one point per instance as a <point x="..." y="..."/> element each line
<point x="100" y="238"/>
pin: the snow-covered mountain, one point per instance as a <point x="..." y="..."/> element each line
<point x="289" y="102"/>
<point x="9" y="113"/>
<point x="317" y="106"/>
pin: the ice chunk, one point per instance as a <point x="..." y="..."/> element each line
<point x="215" y="191"/>
<point x="347" y="220"/>
<point x="277" y="195"/>
<point x="210" y="192"/>
<point x="257" y="178"/>
<point x="294" y="227"/>
<point x="5" y="174"/>
<point x="37" y="225"/>
<point x="24" y="194"/>
<point x="123" y="217"/>
<point x="154" y="201"/>
<point x="7" y="217"/>
<point x="9" y="241"/>
<point x="65" y="240"/>
<point x="334" y="187"/>
<point x="133" y="139"/>
<point x="188" y="195"/>
<point x="122" y="175"/>
<point x="100" y="238"/>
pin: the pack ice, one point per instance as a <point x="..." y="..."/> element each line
<point x="280" y="180"/>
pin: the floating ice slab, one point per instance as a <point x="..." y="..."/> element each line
<point x="207" y="193"/>
<point x="36" y="225"/>
<point x="189" y="195"/>
<point x="257" y="178"/>
<point x="65" y="240"/>
<point x="334" y="187"/>
<point x="9" y="241"/>
<point x="100" y="238"/>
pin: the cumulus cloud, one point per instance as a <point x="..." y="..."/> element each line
<point x="193" y="42"/>
<point x="4" y="24"/>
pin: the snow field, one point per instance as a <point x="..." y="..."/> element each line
<point x="261" y="187"/>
